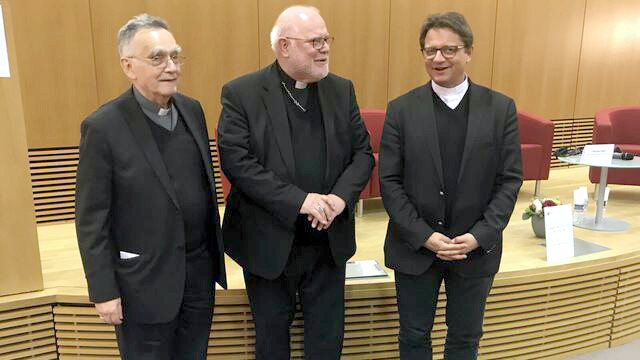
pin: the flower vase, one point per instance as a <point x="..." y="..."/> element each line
<point x="537" y="224"/>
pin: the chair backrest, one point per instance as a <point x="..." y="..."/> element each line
<point x="625" y="125"/>
<point x="374" y="121"/>
<point x="534" y="129"/>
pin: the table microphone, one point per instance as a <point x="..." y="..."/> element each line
<point x="623" y="156"/>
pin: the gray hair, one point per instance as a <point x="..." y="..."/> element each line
<point x="280" y="27"/>
<point x="142" y="21"/>
<point x="450" y="20"/>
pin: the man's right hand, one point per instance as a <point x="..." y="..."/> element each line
<point x="444" y="247"/>
<point x="317" y="206"/>
<point x="110" y="311"/>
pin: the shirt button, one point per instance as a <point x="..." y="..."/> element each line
<point x="441" y="193"/>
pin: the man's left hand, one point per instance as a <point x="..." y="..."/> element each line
<point x="468" y="240"/>
<point x="336" y="207"/>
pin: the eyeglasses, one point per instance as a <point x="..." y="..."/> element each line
<point x="162" y="60"/>
<point x="447" y="51"/>
<point x="317" y="43"/>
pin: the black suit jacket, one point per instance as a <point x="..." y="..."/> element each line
<point x="411" y="180"/>
<point x="257" y="157"/>
<point x="125" y="202"/>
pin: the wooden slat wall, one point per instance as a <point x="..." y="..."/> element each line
<point x="550" y="316"/>
<point x="570" y="133"/>
<point x="626" y="323"/>
<point x="27" y="333"/>
<point x="53" y="182"/>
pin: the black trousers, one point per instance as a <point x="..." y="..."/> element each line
<point x="319" y="282"/>
<point x="417" y="297"/>
<point x="185" y="337"/>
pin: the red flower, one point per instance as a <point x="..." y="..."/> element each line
<point x="548" y="203"/>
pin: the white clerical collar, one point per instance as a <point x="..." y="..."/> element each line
<point x="300" y="85"/>
<point x="451" y="96"/>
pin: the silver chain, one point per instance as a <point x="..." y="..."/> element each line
<point x="292" y="98"/>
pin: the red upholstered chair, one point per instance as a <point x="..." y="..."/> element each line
<point x="621" y="126"/>
<point x="536" y="141"/>
<point x="374" y="121"/>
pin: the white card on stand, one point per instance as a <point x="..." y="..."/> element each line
<point x="598" y="155"/>
<point x="558" y="227"/>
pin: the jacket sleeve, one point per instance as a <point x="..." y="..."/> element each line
<point x="412" y="229"/>
<point x="355" y="176"/>
<point x="93" y="207"/>
<point x="240" y="164"/>
<point x="506" y="186"/>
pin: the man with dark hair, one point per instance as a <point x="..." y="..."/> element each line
<point x="450" y="171"/>
<point x="297" y="154"/>
<point x="146" y="214"/>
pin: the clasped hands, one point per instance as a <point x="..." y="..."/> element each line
<point x="451" y="249"/>
<point x="321" y="209"/>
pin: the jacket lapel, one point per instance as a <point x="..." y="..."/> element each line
<point x="141" y="132"/>
<point x="272" y="98"/>
<point x="426" y="116"/>
<point x="476" y="125"/>
<point x="328" y="119"/>
<point x="195" y="126"/>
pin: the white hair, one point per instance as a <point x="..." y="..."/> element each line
<point x="280" y="26"/>
<point x="142" y="21"/>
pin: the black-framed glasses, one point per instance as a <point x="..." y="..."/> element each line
<point x="162" y="60"/>
<point x="317" y="43"/>
<point x="448" y="51"/>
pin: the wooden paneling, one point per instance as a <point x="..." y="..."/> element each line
<point x="610" y="58"/>
<point x="360" y="52"/>
<point x="219" y="39"/>
<point x="27" y="333"/>
<point x="55" y="50"/>
<point x="406" y="66"/>
<point x="537" y="51"/>
<point x="20" y="265"/>
<point x="53" y="182"/>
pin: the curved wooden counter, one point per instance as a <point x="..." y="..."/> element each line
<point x="536" y="310"/>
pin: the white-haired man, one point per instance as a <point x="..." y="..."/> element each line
<point x="297" y="155"/>
<point x="146" y="214"/>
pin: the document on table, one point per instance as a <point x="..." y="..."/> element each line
<point x="558" y="226"/>
<point x="364" y="269"/>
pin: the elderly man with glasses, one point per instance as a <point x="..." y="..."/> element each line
<point x="146" y="215"/>
<point x="297" y="155"/>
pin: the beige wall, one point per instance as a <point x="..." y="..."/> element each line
<point x="560" y="59"/>
<point x="20" y="265"/>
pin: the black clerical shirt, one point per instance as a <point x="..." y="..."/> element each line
<point x="452" y="133"/>
<point x="309" y="144"/>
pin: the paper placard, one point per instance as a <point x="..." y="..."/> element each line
<point x="598" y="155"/>
<point x="4" y="55"/>
<point x="558" y="227"/>
<point x="364" y="269"/>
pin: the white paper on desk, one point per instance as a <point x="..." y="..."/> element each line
<point x="558" y="227"/>
<point x="364" y="268"/>
<point x="4" y="55"/>
<point x="598" y="155"/>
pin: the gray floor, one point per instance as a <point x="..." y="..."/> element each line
<point x="630" y="351"/>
